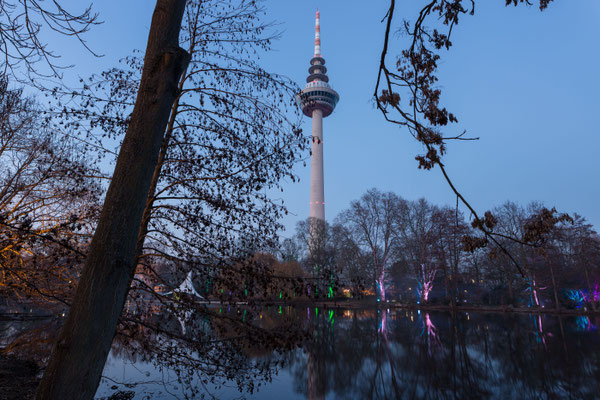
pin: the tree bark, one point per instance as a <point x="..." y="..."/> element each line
<point x="147" y="214"/>
<point x="78" y="357"/>
<point x="587" y="279"/>
<point x="555" y="289"/>
<point x="511" y="297"/>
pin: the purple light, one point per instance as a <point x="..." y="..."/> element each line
<point x="584" y="323"/>
<point x="433" y="341"/>
<point x="541" y="330"/>
<point x="383" y="323"/>
<point x="533" y="294"/>
<point x="381" y="284"/>
<point x="596" y="293"/>
<point x="576" y="296"/>
<point x="582" y="296"/>
<point x="429" y="326"/>
<point x="425" y="284"/>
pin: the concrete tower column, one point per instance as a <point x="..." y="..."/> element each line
<point x="317" y="100"/>
<point x="317" y="185"/>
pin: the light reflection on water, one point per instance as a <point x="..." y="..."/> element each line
<point x="370" y="354"/>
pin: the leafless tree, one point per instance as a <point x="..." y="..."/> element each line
<point x="77" y="360"/>
<point x="48" y="205"/>
<point x="370" y="220"/>
<point x="22" y="27"/>
<point x="232" y="134"/>
<point x="227" y="139"/>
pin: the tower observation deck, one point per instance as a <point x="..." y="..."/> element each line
<point x="317" y="100"/>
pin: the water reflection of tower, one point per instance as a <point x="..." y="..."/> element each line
<point x="318" y="354"/>
<point x="315" y="377"/>
<point x="318" y="100"/>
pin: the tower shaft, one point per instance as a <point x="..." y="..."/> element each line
<point x="317" y="100"/>
<point x="317" y="186"/>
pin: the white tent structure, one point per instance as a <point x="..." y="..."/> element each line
<point x="187" y="286"/>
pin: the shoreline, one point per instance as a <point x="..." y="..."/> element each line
<point x="361" y="304"/>
<point x="358" y="304"/>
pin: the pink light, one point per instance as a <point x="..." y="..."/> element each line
<point x="541" y="330"/>
<point x="594" y="296"/>
<point x="426" y="282"/>
<point x="429" y="325"/>
<point x="534" y="291"/>
<point x="537" y="302"/>
<point x="426" y="289"/>
<point x="382" y="327"/>
<point x="380" y="281"/>
<point x="432" y="337"/>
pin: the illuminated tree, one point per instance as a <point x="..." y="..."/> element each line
<point x="370" y="221"/>
<point x="416" y="230"/>
<point x="425" y="282"/>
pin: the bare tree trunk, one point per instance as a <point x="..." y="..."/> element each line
<point x="587" y="279"/>
<point x="511" y="298"/>
<point x="554" y="288"/>
<point x="447" y="284"/>
<point x="454" y="285"/>
<point x="147" y="214"/>
<point x="446" y="273"/>
<point x="562" y="335"/>
<point x="78" y="358"/>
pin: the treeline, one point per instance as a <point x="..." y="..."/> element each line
<point x="48" y="205"/>
<point x="418" y="252"/>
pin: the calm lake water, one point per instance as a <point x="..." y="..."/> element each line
<point x="387" y="354"/>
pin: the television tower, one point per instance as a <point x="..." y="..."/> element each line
<point x="318" y="101"/>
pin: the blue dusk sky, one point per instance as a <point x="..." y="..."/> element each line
<point x="526" y="82"/>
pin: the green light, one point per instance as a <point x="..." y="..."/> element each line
<point x="280" y="295"/>
<point x="331" y="316"/>
<point x="316" y="311"/>
<point x="330" y="292"/>
<point x="280" y="311"/>
<point x="244" y="316"/>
